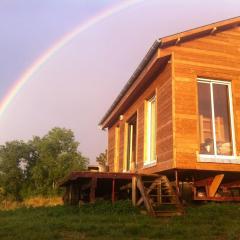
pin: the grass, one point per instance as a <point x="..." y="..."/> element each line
<point x="31" y="202"/>
<point x="121" y="221"/>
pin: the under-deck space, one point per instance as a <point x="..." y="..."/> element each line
<point x="154" y="192"/>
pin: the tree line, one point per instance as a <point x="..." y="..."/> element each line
<point x="34" y="167"/>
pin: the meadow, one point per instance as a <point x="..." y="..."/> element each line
<point x="119" y="221"/>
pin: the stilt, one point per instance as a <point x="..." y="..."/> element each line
<point x="145" y="197"/>
<point x="134" y="190"/>
<point x="92" y="196"/>
<point x="70" y="194"/>
<point x="177" y="183"/>
<point x="67" y="195"/>
<point x="113" y="190"/>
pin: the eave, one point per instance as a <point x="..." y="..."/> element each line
<point x="134" y="89"/>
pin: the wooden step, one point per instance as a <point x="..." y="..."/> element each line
<point x="159" y="192"/>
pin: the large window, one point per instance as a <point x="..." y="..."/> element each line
<point x="215" y="118"/>
<point x="150" y="143"/>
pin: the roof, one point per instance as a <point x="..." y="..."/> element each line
<point x="168" y="41"/>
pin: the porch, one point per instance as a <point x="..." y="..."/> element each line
<point x="155" y="193"/>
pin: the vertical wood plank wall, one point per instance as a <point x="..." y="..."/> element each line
<point x="164" y="116"/>
<point x="111" y="148"/>
<point x="214" y="56"/>
<point x="162" y="87"/>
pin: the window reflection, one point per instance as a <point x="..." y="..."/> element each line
<point x="205" y="119"/>
<point x="222" y="119"/>
<point x="213" y="96"/>
<point x="151" y="131"/>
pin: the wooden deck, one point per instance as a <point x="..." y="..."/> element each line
<point x="151" y="191"/>
<point x="159" y="194"/>
<point x="87" y="186"/>
<point x="101" y="175"/>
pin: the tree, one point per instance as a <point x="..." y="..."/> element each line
<point x="16" y="159"/>
<point x="35" y="167"/>
<point x="101" y="159"/>
<point x="58" y="156"/>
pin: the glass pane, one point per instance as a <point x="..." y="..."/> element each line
<point x="153" y="130"/>
<point x="205" y="118"/>
<point x="222" y="119"/>
<point x="148" y="133"/>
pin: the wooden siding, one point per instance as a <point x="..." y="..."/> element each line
<point x="215" y="57"/>
<point x="111" y="148"/>
<point x="162" y="87"/>
<point x="121" y="148"/>
<point x="164" y="116"/>
<point x="140" y="131"/>
<point x="112" y="145"/>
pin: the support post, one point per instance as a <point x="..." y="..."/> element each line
<point x="113" y="190"/>
<point x="70" y="194"/>
<point x="73" y="193"/>
<point x="177" y="183"/>
<point x="134" y="191"/>
<point x="66" y="195"/>
<point x="92" y="196"/>
<point x="145" y="196"/>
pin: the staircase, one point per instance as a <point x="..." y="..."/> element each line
<point x="159" y="196"/>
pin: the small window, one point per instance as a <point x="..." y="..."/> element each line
<point x="215" y="118"/>
<point x="150" y="142"/>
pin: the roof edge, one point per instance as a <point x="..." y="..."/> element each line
<point x="162" y="43"/>
<point x="132" y="79"/>
<point x="211" y="28"/>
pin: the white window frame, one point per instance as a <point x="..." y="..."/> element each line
<point x="215" y="157"/>
<point x="128" y="147"/>
<point x="148" y="162"/>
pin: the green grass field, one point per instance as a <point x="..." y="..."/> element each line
<point x="121" y="221"/>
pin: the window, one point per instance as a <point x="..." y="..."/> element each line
<point x="150" y="143"/>
<point x="131" y="144"/>
<point x="215" y="118"/>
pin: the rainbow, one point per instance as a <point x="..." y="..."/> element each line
<point x="29" y="72"/>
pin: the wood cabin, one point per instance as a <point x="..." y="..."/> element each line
<point x="176" y="121"/>
<point x="179" y="114"/>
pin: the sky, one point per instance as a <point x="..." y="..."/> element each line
<point x="77" y="83"/>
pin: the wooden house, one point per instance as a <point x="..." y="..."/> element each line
<point x="179" y="114"/>
<point x="177" y="120"/>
